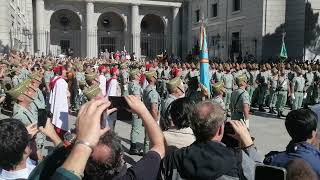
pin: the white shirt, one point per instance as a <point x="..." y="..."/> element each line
<point x="113" y="88"/>
<point x="102" y="85"/>
<point x="59" y="104"/>
<point x="20" y="174"/>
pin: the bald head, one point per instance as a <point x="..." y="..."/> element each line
<point x="207" y="118"/>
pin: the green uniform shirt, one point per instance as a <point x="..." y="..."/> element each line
<point x="24" y="73"/>
<point x="16" y="80"/>
<point x="80" y="76"/>
<point x="135" y="88"/>
<point x="151" y="96"/>
<point x="309" y="77"/>
<point x="166" y="74"/>
<point x="218" y="76"/>
<point x="48" y="75"/>
<point x="165" y="105"/>
<point x="228" y="81"/>
<point x="283" y="83"/>
<point x="23" y="114"/>
<point x="298" y="84"/>
<point x="273" y="82"/>
<point x="219" y="101"/>
<point x="239" y="97"/>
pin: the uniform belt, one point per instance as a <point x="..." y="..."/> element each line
<point x="299" y="91"/>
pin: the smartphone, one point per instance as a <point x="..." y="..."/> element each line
<point x="118" y="102"/>
<point x="228" y="129"/>
<point x="264" y="172"/>
<point x="42" y="118"/>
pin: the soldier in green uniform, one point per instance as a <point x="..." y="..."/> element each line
<point x="184" y="73"/>
<point x="291" y="74"/>
<point x="165" y="76"/>
<point x="309" y="77"/>
<point x="273" y="81"/>
<point x="194" y="92"/>
<point x="135" y="89"/>
<point x="316" y="86"/>
<point x="16" y="79"/>
<point x="39" y="101"/>
<point x="262" y="80"/>
<point x="228" y="82"/>
<point x="24" y="72"/>
<point x="298" y="84"/>
<point x="24" y="95"/>
<point x="240" y="101"/>
<point x="176" y="90"/>
<point x="124" y="79"/>
<point x="219" y="91"/>
<point x="217" y="77"/>
<point x="282" y="92"/>
<point x="251" y="76"/>
<point x="152" y="100"/>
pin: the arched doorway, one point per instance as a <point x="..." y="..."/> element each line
<point x="110" y="32"/>
<point x="153" y="40"/>
<point x="65" y="33"/>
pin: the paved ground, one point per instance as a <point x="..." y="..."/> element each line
<point x="269" y="132"/>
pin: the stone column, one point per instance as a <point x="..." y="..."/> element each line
<point x="92" y="50"/>
<point x="175" y="30"/>
<point x="135" y="30"/>
<point x="41" y="34"/>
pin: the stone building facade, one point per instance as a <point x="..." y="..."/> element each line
<point x="16" y="25"/>
<point x="251" y="27"/>
<point x="147" y="27"/>
<point x="93" y="26"/>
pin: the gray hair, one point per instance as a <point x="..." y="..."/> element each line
<point x="206" y="120"/>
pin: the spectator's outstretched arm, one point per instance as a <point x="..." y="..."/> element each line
<point x="153" y="130"/>
<point x="88" y="134"/>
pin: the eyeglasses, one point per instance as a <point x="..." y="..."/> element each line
<point x="181" y="90"/>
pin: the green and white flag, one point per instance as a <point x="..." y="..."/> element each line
<point x="283" y="53"/>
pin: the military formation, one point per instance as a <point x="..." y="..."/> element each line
<point x="239" y="89"/>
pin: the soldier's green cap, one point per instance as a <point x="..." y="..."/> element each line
<point x="241" y="79"/>
<point x="174" y="83"/>
<point x="134" y="72"/>
<point x="92" y="91"/>
<point x="151" y="74"/>
<point x="19" y="89"/>
<point x="35" y="76"/>
<point x="90" y="76"/>
<point x="218" y="86"/>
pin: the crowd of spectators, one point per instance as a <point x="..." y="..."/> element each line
<point x="96" y="153"/>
